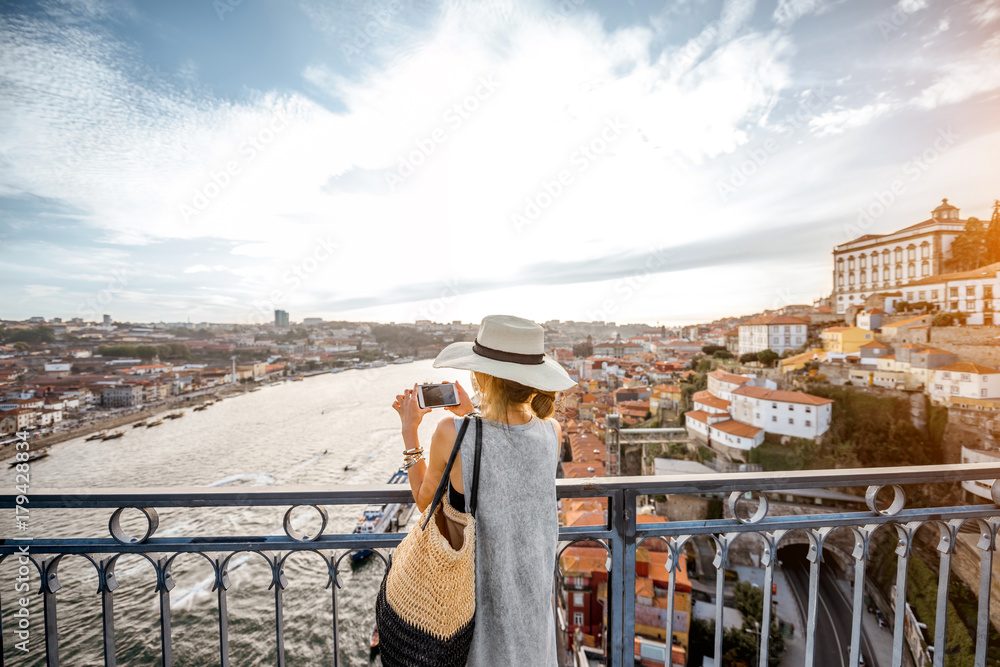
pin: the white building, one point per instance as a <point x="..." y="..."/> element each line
<point x="791" y="413"/>
<point x="734" y="414"/>
<point x="964" y="380"/>
<point x="772" y="332"/>
<point x="971" y="292"/>
<point x="122" y="395"/>
<point x="874" y="262"/>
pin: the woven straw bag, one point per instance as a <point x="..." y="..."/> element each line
<point x="426" y="605"/>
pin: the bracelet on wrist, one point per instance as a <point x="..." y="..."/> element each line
<point x="414" y="451"/>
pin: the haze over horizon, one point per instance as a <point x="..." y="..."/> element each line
<point x="667" y="163"/>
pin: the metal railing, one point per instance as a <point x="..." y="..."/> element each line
<point x="621" y="536"/>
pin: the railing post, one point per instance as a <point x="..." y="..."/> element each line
<point x="987" y="544"/>
<point x="815" y="557"/>
<point x="903" y="549"/>
<point x="164" y="585"/>
<point x="628" y="578"/>
<point x="221" y="584"/>
<point x="50" y="585"/>
<point x="720" y="562"/>
<point x="616" y="579"/>
<point x="946" y="546"/>
<point x="862" y="537"/>
<point x="108" y="585"/>
<point x="279" y="582"/>
<point x="767" y="560"/>
<point x="334" y="584"/>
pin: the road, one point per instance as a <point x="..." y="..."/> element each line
<point x="833" y="624"/>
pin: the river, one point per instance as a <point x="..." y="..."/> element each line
<point x="292" y="433"/>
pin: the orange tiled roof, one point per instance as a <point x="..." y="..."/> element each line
<point x="782" y="396"/>
<point x="739" y="429"/>
<point x="775" y="319"/>
<point x="705" y="397"/>
<point x="968" y="367"/>
<point x="730" y="378"/>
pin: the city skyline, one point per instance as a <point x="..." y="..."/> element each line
<point x="661" y="163"/>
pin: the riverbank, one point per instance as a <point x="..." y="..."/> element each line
<point x="118" y="421"/>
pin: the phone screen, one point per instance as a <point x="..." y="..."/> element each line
<point x="438" y="395"/>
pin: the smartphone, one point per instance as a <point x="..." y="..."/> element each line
<point x="437" y="395"/>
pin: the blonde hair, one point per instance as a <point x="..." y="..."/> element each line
<point x="500" y="395"/>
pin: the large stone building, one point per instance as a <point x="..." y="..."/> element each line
<point x="876" y="262"/>
<point x="773" y="332"/>
<point x="970" y="292"/>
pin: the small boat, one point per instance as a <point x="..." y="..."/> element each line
<point x="33" y="456"/>
<point x="203" y="406"/>
<point x="403" y="360"/>
<point x="298" y="378"/>
<point x="113" y="436"/>
<point x="139" y="424"/>
<point x="97" y="436"/>
<point x="255" y="389"/>
<point x="382" y="518"/>
<point x="175" y="415"/>
<point x="156" y="423"/>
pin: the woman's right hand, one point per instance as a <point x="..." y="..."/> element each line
<point x="409" y="411"/>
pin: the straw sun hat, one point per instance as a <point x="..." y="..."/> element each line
<point x="511" y="348"/>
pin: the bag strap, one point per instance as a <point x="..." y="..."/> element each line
<point x="475" y="469"/>
<point x="447" y="471"/>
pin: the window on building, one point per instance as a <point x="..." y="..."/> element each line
<point x="987" y="291"/>
<point x="899" y="254"/>
<point x="578" y="618"/>
<point x="899" y="272"/>
<point x="577" y="599"/>
<point x="850" y="262"/>
<point x="791" y="421"/>
<point x="911" y="253"/>
<point x="954" y="305"/>
<point x="808" y="423"/>
<point x="946" y="375"/>
<point x="953" y="292"/>
<point x="938" y="387"/>
<point x="862" y="261"/>
<point x="885" y="274"/>
<point x="864" y="277"/>
<point x="922" y="295"/>
<point x="774" y="418"/>
<point x="808" y="409"/>
<point x="982" y="393"/>
<point x="850" y="278"/>
<point x="911" y="270"/>
<point x="874" y="259"/>
<point x="925" y="250"/>
<point x="954" y="389"/>
<point x="774" y="406"/>
<point x="791" y="407"/>
<point x="970" y="305"/>
<point x="965" y="377"/>
<point x="934" y="295"/>
<point x="925" y="269"/>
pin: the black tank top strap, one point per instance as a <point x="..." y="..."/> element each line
<point x="455" y="499"/>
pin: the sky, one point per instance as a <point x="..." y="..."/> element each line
<point x="659" y="162"/>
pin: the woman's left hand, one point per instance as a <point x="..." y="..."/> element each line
<point x="410" y="412"/>
<point x="465" y="405"/>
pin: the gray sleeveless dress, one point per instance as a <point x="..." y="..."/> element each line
<point x="517" y="530"/>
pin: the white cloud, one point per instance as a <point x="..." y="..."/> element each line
<point x="789" y="11"/>
<point x="911" y="6"/>
<point x="843" y="119"/>
<point x="958" y="81"/>
<point x="984" y="12"/>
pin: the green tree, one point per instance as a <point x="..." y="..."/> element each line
<point x="992" y="239"/>
<point x="968" y="250"/>
<point x="767" y="357"/>
<point x="748" y="357"/>
<point x="712" y="349"/>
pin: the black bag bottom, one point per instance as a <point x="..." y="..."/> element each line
<point x="401" y="644"/>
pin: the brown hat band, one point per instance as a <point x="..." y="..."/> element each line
<point x="502" y="355"/>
